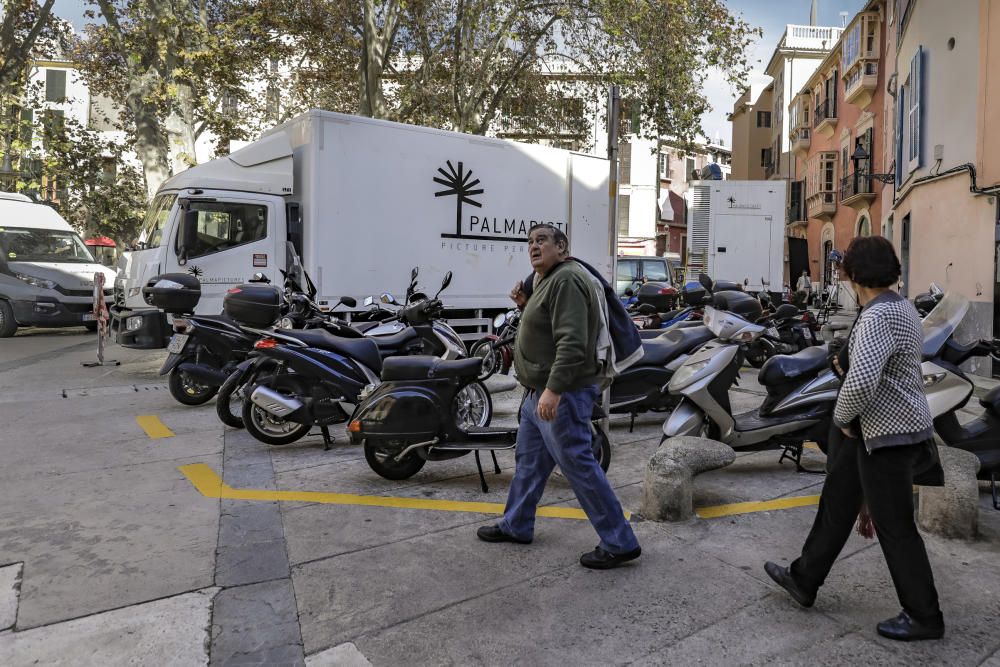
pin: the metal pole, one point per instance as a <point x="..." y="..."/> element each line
<point x="614" y="105"/>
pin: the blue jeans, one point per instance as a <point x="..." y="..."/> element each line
<point x="565" y="440"/>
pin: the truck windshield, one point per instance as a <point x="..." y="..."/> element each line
<point x="21" y="244"/>
<point x="156" y="219"/>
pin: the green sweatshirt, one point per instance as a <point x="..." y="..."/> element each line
<point x="556" y="345"/>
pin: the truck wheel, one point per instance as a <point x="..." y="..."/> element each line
<point x="380" y="459"/>
<point x="185" y="390"/>
<point x="8" y="325"/>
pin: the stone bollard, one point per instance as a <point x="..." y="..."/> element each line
<point x="952" y="510"/>
<point x="667" y="490"/>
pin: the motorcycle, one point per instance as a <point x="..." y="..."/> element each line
<point x="949" y="388"/>
<point x="497" y="350"/>
<point x="302" y="379"/>
<point x="643" y="386"/>
<point x="801" y="392"/>
<point x="411" y="418"/>
<point x="788" y="330"/>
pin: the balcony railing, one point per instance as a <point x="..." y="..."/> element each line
<point x="824" y="111"/>
<point x="854" y="187"/>
<point x="797" y="212"/>
<point x="821" y="204"/>
<point x="800" y="139"/>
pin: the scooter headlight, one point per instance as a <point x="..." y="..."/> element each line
<point x="688" y="371"/>
<point x="932" y="379"/>
<point x="499" y="320"/>
<point x="286" y="323"/>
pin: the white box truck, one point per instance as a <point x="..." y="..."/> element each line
<point x="361" y="202"/>
<point x="46" y="271"/>
<point x="736" y="231"/>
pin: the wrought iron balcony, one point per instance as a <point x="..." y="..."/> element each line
<point x="825" y="118"/>
<point x="856" y="190"/>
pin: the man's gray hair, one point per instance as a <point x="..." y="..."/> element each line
<point x="558" y="235"/>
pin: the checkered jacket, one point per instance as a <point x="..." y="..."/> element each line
<point x="884" y="385"/>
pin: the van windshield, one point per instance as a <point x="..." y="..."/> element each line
<point x="21" y="244"/>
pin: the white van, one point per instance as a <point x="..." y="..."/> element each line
<point x="46" y="271"/>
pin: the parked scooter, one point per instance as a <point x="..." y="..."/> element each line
<point x="801" y="392"/>
<point x="497" y="349"/>
<point x="949" y="388"/>
<point x="788" y="330"/>
<point x="411" y="418"/>
<point x="303" y="379"/>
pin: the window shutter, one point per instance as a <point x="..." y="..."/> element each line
<point x="916" y="95"/>
<point x="900" y="134"/>
<point x="55" y="85"/>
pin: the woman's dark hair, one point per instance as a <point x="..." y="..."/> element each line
<point x="870" y="261"/>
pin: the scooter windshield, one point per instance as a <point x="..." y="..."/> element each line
<point x="941" y="322"/>
<point x="730" y="326"/>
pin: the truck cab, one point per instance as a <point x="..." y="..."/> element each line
<point x="221" y="235"/>
<point x="46" y="271"/>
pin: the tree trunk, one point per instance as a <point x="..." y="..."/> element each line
<point x="375" y="56"/>
<point x="150" y="144"/>
<point x="181" y="132"/>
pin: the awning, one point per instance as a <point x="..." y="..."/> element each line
<point x="100" y="241"/>
<point x="666" y="209"/>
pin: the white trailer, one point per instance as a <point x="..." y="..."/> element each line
<point x="361" y="201"/>
<point x="736" y="231"/>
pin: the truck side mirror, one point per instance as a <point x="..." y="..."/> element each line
<point x="188" y="232"/>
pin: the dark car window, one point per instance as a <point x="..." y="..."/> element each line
<point x="655" y="269"/>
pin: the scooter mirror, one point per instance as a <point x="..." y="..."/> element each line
<point x="705" y="281"/>
<point x="388" y="298"/>
<point x="349" y="301"/>
<point x="446" y="281"/>
<point x="413" y="273"/>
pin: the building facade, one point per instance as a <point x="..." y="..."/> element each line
<point x="839" y="109"/>
<point x="751" y="119"/>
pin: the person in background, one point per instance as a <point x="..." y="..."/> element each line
<point x="630" y="298"/>
<point x="884" y="432"/>
<point x="804" y="285"/>
<point x="555" y="357"/>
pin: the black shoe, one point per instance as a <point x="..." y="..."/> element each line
<point x="783" y="577"/>
<point x="494" y="534"/>
<point x="599" y="559"/>
<point x="905" y="628"/>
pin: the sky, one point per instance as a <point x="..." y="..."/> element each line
<point x="771" y="15"/>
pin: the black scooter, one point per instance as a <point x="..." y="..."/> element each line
<point x="410" y="418"/>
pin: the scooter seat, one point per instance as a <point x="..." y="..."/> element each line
<point x="396" y="340"/>
<point x="991" y="401"/>
<point x="675" y="342"/>
<point x="421" y="367"/>
<point x="784" y="368"/>
<point x="363" y="350"/>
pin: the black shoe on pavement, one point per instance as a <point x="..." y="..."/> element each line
<point x="494" y="534"/>
<point x="599" y="559"/>
<point x="783" y="577"/>
<point x="905" y="628"/>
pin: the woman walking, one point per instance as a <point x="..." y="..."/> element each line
<point x="885" y="424"/>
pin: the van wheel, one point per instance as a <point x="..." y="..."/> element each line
<point x="380" y="457"/>
<point x="8" y="326"/>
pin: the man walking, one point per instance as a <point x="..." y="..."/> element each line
<point x="555" y="357"/>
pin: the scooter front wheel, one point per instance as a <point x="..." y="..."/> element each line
<point x="601" y="446"/>
<point x="186" y="390"/>
<point x="472" y="406"/>
<point x="381" y="457"/>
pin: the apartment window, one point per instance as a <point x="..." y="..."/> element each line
<point x="689" y="166"/>
<point x="55" y="85"/>
<point x="623" y="212"/>
<point x="765" y="157"/>
<point x="625" y="163"/>
<point x="53" y="125"/>
<point x="763" y="119"/>
<point x="913" y="112"/>
<point x="664" y="165"/>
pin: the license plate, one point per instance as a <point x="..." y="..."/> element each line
<point x="177" y="342"/>
<point x="772" y="332"/>
<point x="89" y="317"/>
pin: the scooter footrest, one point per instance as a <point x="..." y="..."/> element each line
<point x="474" y="445"/>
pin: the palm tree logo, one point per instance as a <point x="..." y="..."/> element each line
<point x="458" y="184"/>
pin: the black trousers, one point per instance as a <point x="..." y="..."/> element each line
<point x="883" y="479"/>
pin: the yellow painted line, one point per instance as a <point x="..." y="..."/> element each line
<point x="207" y="482"/>
<point x="813" y="446"/>
<point x="153" y="427"/>
<point x="717" y="511"/>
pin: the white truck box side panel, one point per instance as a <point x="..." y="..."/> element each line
<point x="372" y="208"/>
<point x="589" y="231"/>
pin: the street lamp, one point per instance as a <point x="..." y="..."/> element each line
<point x="861" y="155"/>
